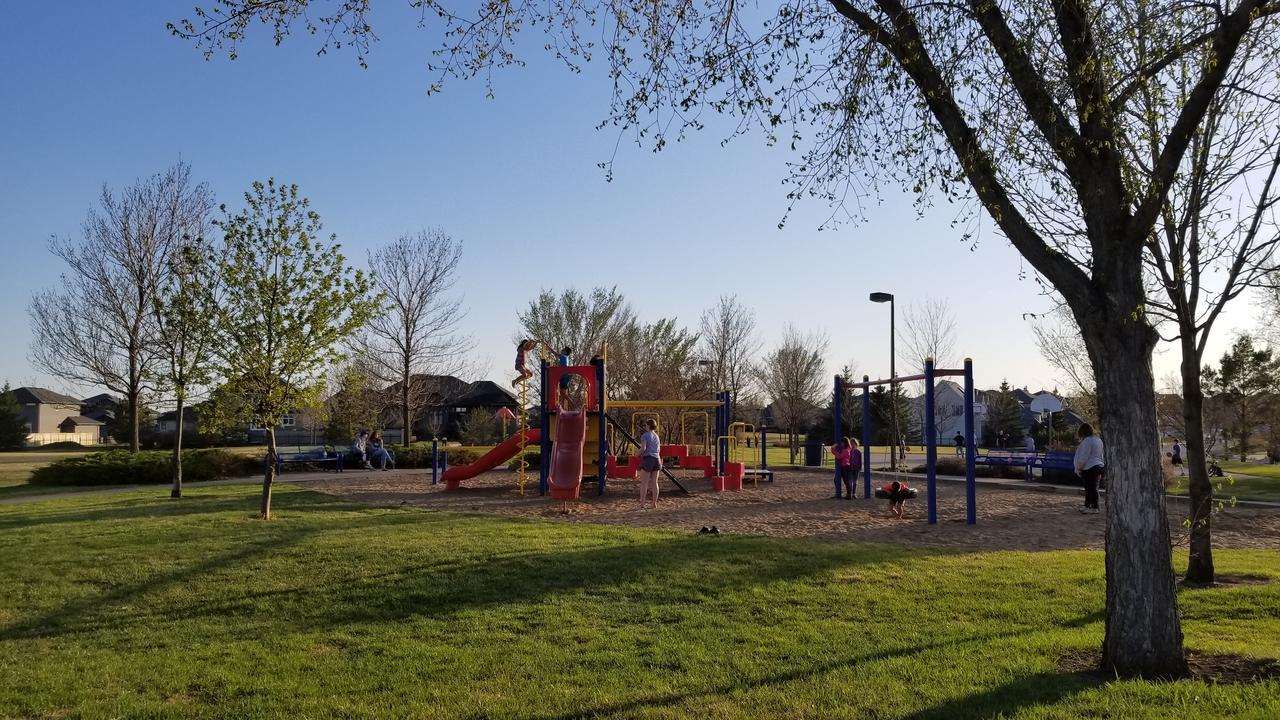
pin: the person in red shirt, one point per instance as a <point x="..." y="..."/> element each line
<point x="897" y="493"/>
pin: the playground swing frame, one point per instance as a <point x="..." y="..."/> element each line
<point x="930" y="375"/>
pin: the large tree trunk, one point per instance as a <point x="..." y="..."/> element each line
<point x="1143" y="634"/>
<point x="1200" y="562"/>
<point x="135" y="421"/>
<point x="404" y="404"/>
<point x="177" y="455"/>
<point x="270" y="475"/>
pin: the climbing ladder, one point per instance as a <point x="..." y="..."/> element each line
<point x="522" y="429"/>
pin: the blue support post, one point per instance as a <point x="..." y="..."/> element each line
<point x="970" y="474"/>
<point x="435" y="460"/>
<point x="602" y="442"/>
<point x="764" y="448"/>
<point x="544" y="424"/>
<point x="837" y="395"/>
<point x="866" y="438"/>
<point x="931" y="442"/>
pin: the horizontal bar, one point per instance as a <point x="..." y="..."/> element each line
<point x="901" y="379"/>
<point x="664" y="404"/>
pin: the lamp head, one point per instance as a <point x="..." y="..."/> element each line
<point x="881" y="297"/>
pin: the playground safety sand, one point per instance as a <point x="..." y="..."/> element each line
<point x="799" y="504"/>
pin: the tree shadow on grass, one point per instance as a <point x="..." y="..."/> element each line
<point x="1035" y="689"/>
<point x="1024" y="691"/>
<point x="106" y="508"/>
<point x="448" y="585"/>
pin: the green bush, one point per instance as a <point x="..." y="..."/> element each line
<point x="120" y="467"/>
<point x="418" y="456"/>
<point x="954" y="466"/>
<point x="532" y="457"/>
<point x="64" y="445"/>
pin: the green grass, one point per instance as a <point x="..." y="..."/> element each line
<point x="1259" y="482"/>
<point x="135" y="606"/>
<point x="16" y="468"/>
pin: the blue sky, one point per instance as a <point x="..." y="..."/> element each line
<point x="100" y="92"/>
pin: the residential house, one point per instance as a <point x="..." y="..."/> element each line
<point x="53" y="417"/>
<point x="445" y="401"/>
<point x="104" y="408"/>
<point x="167" y="423"/>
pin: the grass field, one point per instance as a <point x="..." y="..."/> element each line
<point x="16" y="467"/>
<point x="1257" y="482"/>
<point x="133" y="606"/>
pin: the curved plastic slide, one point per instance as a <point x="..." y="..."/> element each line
<point x="506" y="450"/>
<point x="566" y="454"/>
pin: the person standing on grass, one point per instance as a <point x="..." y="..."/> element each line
<point x="1089" y="466"/>
<point x="1176" y="457"/>
<point x="1031" y="443"/>
<point x="959" y="444"/>
<point x="650" y="462"/>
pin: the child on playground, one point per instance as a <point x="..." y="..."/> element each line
<point x="849" y="460"/>
<point x="898" y="493"/>
<point x="650" y="462"/>
<point x="522" y="349"/>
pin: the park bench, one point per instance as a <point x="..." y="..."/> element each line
<point x="328" y="459"/>
<point x="1051" y="461"/>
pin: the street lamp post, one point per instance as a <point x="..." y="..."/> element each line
<point x="883" y="297"/>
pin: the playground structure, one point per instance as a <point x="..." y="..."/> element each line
<point x="929" y="376"/>
<point x="585" y="441"/>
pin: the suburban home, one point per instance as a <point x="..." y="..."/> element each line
<point x="445" y="401"/>
<point x="948" y="411"/>
<point x="102" y="407"/>
<point x="53" y="417"/>
<point x="167" y="423"/>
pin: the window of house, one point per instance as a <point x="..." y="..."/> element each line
<point x="286" y="421"/>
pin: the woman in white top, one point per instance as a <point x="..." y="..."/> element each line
<point x="1089" y="466"/>
<point x="650" y="462"/>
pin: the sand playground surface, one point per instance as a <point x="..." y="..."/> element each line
<point x="800" y="504"/>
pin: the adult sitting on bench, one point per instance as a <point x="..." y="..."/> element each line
<point x="896" y="493"/>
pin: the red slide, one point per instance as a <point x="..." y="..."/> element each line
<point x="566" y="454"/>
<point x="454" y="476"/>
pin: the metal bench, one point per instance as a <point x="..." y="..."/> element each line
<point x="330" y="460"/>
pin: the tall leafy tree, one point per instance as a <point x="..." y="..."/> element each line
<point x="98" y="327"/>
<point x="1245" y="382"/>
<point x="1004" y="414"/>
<point x="185" y="309"/>
<point x="584" y="322"/>
<point x="13" y="429"/>
<point x="1025" y="110"/>
<point x="290" y="300"/>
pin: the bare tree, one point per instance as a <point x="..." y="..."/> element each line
<point x="1060" y="344"/>
<point x="792" y="377"/>
<point x="98" y="328"/>
<point x="928" y="331"/>
<point x="417" y="334"/>
<point x="1216" y="237"/>
<point x="730" y="344"/>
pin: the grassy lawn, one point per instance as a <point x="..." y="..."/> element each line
<point x="1260" y="482"/>
<point x="132" y="606"/>
<point x="16" y="467"/>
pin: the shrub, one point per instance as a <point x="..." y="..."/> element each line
<point x="120" y="467"/>
<point x="532" y="457"/>
<point x="64" y="445"/>
<point x="955" y="467"/>
<point x="418" y="456"/>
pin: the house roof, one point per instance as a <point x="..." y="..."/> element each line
<point x="80" y="420"/>
<point x="486" y="393"/>
<point x="105" y="401"/>
<point x="189" y="414"/>
<point x="29" y="395"/>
